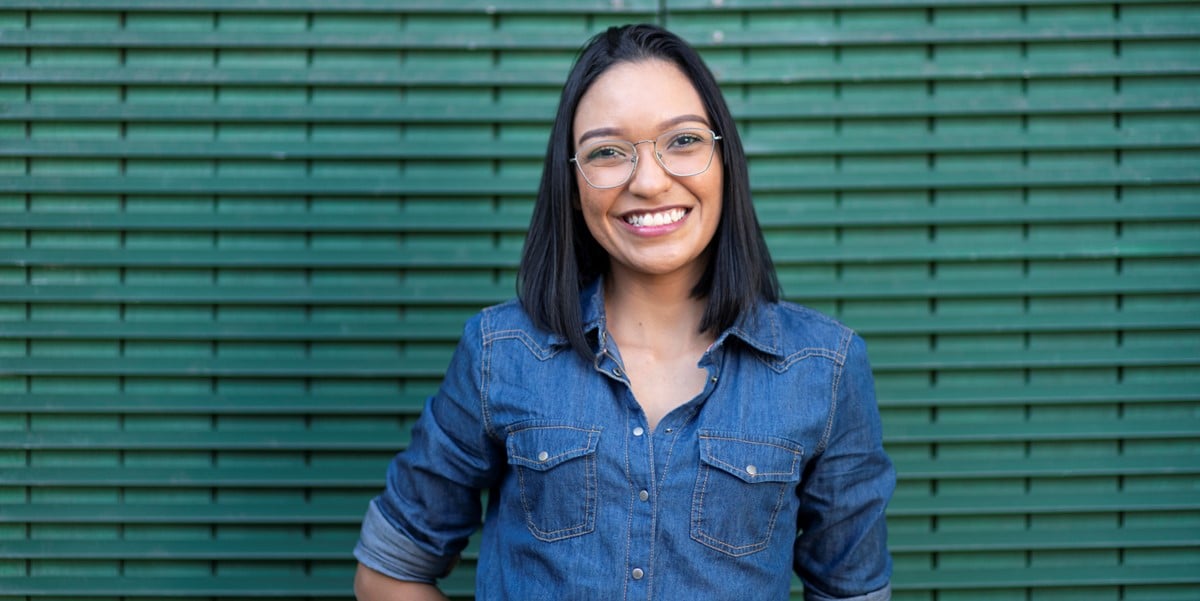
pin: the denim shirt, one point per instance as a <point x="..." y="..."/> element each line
<point x="777" y="466"/>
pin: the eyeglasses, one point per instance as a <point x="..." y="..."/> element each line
<point x="610" y="163"/>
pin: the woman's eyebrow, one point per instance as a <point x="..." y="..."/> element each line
<point x="612" y="131"/>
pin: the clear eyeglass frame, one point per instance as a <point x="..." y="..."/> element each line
<point x="633" y="156"/>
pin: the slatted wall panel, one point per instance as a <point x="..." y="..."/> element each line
<point x="237" y="241"/>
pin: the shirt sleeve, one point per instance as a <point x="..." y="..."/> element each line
<point x="841" y="552"/>
<point x="431" y="505"/>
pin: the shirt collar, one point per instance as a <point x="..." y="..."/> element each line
<point x="759" y="327"/>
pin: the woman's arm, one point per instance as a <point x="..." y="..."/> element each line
<point x="370" y="585"/>
<point x="842" y="552"/>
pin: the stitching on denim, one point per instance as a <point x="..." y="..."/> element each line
<point x="485" y="376"/>
<point x="835" y="383"/>
<point x="540" y="352"/>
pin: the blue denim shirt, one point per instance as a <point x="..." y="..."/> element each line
<point x="586" y="502"/>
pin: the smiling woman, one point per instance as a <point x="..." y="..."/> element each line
<point x="650" y="420"/>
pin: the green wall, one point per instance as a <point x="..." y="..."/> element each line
<point x="238" y="240"/>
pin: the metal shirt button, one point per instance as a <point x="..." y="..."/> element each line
<point x="643" y="495"/>
<point x="617" y="372"/>
<point x="637" y="573"/>
<point x="750" y="469"/>
<point x="638" y="431"/>
<point x="543" y="456"/>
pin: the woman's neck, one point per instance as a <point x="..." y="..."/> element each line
<point x="655" y="313"/>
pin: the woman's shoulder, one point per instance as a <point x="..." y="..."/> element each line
<point x="796" y="329"/>
<point x="509" y="320"/>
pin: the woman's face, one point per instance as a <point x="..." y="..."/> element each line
<point x="656" y="223"/>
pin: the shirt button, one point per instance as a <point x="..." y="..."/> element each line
<point x="543" y="456"/>
<point x="750" y="469"/>
<point x="617" y="372"/>
<point x="637" y="573"/>
<point x="643" y="495"/>
<point x="638" y="431"/>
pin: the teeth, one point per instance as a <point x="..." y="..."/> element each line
<point x="656" y="219"/>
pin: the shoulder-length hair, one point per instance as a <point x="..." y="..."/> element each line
<point x="561" y="257"/>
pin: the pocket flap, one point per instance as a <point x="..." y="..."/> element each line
<point x="542" y="447"/>
<point x="752" y="458"/>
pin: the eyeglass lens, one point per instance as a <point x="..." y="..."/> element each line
<point x="682" y="152"/>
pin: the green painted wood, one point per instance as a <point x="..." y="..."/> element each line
<point x="1170" y="100"/>
<point x="238" y="241"/>
<point x="484" y="78"/>
<point x="486" y="7"/>
<point x="499" y="40"/>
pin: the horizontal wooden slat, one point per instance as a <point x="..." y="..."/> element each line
<point x="503" y="40"/>
<point x="552" y="78"/>
<point x="771" y="216"/>
<point x="487" y="7"/>
<point x="180" y="550"/>
<point x="499" y="185"/>
<point x="322" y="512"/>
<point x="410" y="403"/>
<point x="1040" y="540"/>
<point x="824" y="36"/>
<point x="1026" y="430"/>
<point x="762" y="146"/>
<point x="1017" y="579"/>
<point x="410" y="258"/>
<point x="1168" y="101"/>
<point x="1046" y="467"/>
<point x="448" y="331"/>
<point x="1036" y="394"/>
<point x="800" y="5"/>
<point x="397" y="437"/>
<point x="347" y="476"/>
<point x="475" y="295"/>
<point x="539" y="6"/>
<point x="1019" y="504"/>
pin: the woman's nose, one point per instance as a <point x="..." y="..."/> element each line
<point x="649" y="177"/>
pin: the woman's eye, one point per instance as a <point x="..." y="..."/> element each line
<point x="683" y="141"/>
<point x="605" y="153"/>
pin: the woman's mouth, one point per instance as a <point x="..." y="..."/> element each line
<point x="655" y="219"/>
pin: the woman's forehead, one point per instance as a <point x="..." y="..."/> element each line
<point x="639" y="97"/>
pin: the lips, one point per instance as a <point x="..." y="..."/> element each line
<point x="655" y="218"/>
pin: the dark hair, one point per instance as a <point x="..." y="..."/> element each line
<point x="561" y="257"/>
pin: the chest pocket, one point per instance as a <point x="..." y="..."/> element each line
<point x="556" y="472"/>
<point x="742" y="485"/>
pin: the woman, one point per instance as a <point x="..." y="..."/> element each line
<point x="649" y="420"/>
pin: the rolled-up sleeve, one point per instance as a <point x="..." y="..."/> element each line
<point x="841" y="553"/>
<point x="417" y="527"/>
